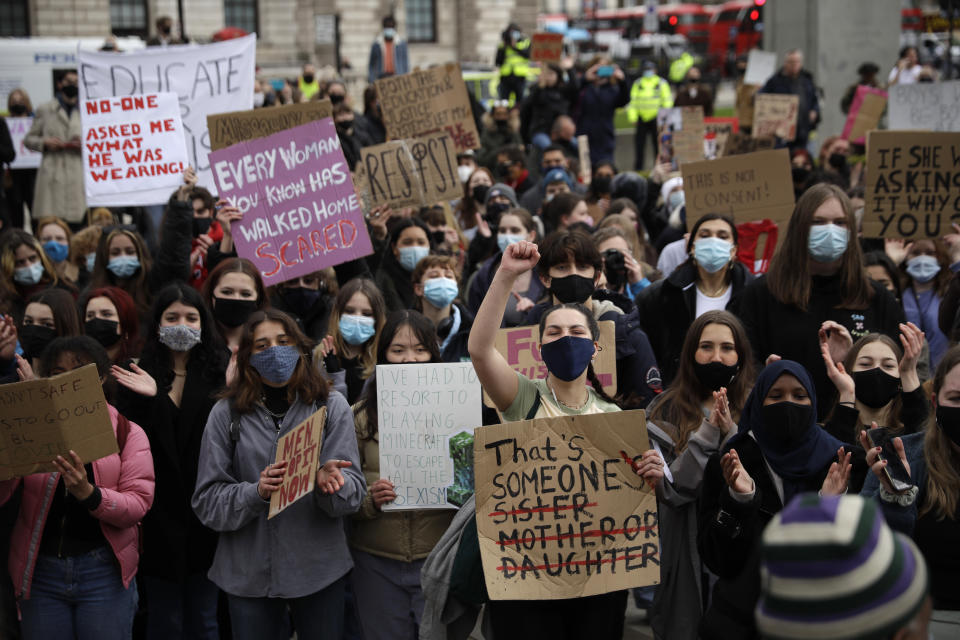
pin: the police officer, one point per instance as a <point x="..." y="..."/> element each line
<point x="513" y="58"/>
<point x="649" y="94"/>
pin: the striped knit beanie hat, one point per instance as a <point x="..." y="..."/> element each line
<point x="832" y="569"/>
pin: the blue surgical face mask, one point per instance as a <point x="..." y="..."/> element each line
<point x="91" y="260"/>
<point x="124" y="266"/>
<point x="410" y="256"/>
<point x="923" y="268"/>
<point x="276" y="364"/>
<point x="356" y="330"/>
<point x="440" y="292"/>
<point x="567" y="357"/>
<point x="56" y="251"/>
<point x="504" y="240"/>
<point x="29" y="275"/>
<point x="648" y="73"/>
<point x="828" y="242"/>
<point x="675" y="199"/>
<point x="389" y="33"/>
<point x="713" y="254"/>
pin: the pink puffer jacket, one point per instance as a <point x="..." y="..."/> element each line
<point x="126" y="483"/>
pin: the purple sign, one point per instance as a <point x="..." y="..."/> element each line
<point x="301" y="213"/>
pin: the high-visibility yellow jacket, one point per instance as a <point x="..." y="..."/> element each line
<point x="647" y="96"/>
<point x="680" y="66"/>
<point x="308" y="90"/>
<point x="514" y="64"/>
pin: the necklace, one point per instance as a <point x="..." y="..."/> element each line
<point x="275" y="416"/>
<point x="562" y="403"/>
<point x="716" y="293"/>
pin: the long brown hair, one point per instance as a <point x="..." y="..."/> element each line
<point x="368" y="354"/>
<point x="681" y="405"/>
<point x="943" y="462"/>
<point x="789" y="278"/>
<point x="306" y="383"/>
<point x="890" y="418"/>
<point x="135" y="285"/>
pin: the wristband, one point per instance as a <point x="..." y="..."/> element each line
<point x="92" y="501"/>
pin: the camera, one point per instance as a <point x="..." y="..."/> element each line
<point x="615" y="269"/>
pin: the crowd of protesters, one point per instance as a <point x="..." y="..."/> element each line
<point x="760" y="389"/>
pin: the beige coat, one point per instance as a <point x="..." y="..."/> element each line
<point x="59" y="189"/>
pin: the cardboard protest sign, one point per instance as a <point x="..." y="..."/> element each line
<point x="300" y="448"/>
<point x="739" y="143"/>
<point x="403" y="173"/>
<point x="26" y="158"/>
<point x="546" y="47"/>
<point x="583" y="156"/>
<point x="131" y="144"/>
<point x="775" y="114"/>
<point x="717" y="130"/>
<point x="426" y="416"/>
<point x="680" y="134"/>
<point x="865" y="113"/>
<point x="519" y="346"/>
<point x="760" y="66"/>
<point x="912" y="186"/>
<point x="753" y="186"/>
<point x="301" y="210"/>
<point x="209" y="78"/>
<point x="744" y="104"/>
<point x="929" y="106"/>
<point x="48" y="417"/>
<point x="560" y="511"/>
<point x="236" y="126"/>
<point x="423" y="102"/>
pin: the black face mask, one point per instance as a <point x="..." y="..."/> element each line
<point x="479" y="192"/>
<point x="300" y="300"/>
<point x="714" y="375"/>
<point x="788" y="422"/>
<point x="18" y="110"/>
<point x="948" y="419"/>
<point x="838" y="161"/>
<point x="335" y="98"/>
<point x="166" y="29"/>
<point x="601" y="184"/>
<point x="438" y="237"/>
<point x="70" y="91"/>
<point x="503" y="124"/>
<point x="103" y="331"/>
<point x="344" y="127"/>
<point x="34" y="338"/>
<point x="503" y="169"/>
<point x="201" y="226"/>
<point x="572" y="288"/>
<point x="875" y="388"/>
<point x="231" y="312"/>
<point x="308" y="78"/>
<point x="800" y="175"/>
<point x="494" y="211"/>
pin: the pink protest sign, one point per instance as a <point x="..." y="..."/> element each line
<point x="300" y="211"/>
<point x="865" y="113"/>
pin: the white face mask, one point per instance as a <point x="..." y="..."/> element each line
<point x="464" y="172"/>
<point x="258" y="99"/>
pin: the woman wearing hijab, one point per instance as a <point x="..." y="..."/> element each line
<point x="778" y="452"/>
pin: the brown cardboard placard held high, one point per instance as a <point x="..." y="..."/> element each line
<point x="300" y="447"/>
<point x="519" y="346"/>
<point x="236" y="126"/>
<point x="911" y="189"/>
<point x="41" y="419"/>
<point x="688" y="141"/>
<point x="752" y="186"/>
<point x="546" y="47"/>
<point x="775" y="114"/>
<point x="423" y="102"/>
<point x="560" y="511"/>
<point x="418" y="171"/>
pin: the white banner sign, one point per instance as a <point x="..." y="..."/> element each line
<point x="132" y="144"/>
<point x="208" y="79"/>
<point x="26" y="158"/>
<point x="427" y="414"/>
<point x="927" y="106"/>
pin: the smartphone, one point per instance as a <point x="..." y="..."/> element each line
<point x="895" y="471"/>
<point x="605" y="71"/>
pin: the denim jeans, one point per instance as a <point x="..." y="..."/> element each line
<point x="185" y="609"/>
<point x="318" y="616"/>
<point x="80" y="597"/>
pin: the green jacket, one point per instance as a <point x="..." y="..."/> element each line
<point x="647" y="96"/>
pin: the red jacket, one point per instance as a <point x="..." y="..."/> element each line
<point x="126" y="483"/>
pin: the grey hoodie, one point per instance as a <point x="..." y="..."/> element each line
<point x="301" y="550"/>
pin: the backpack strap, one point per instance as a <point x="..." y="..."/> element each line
<point x="534" y="408"/>
<point x="123" y="430"/>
